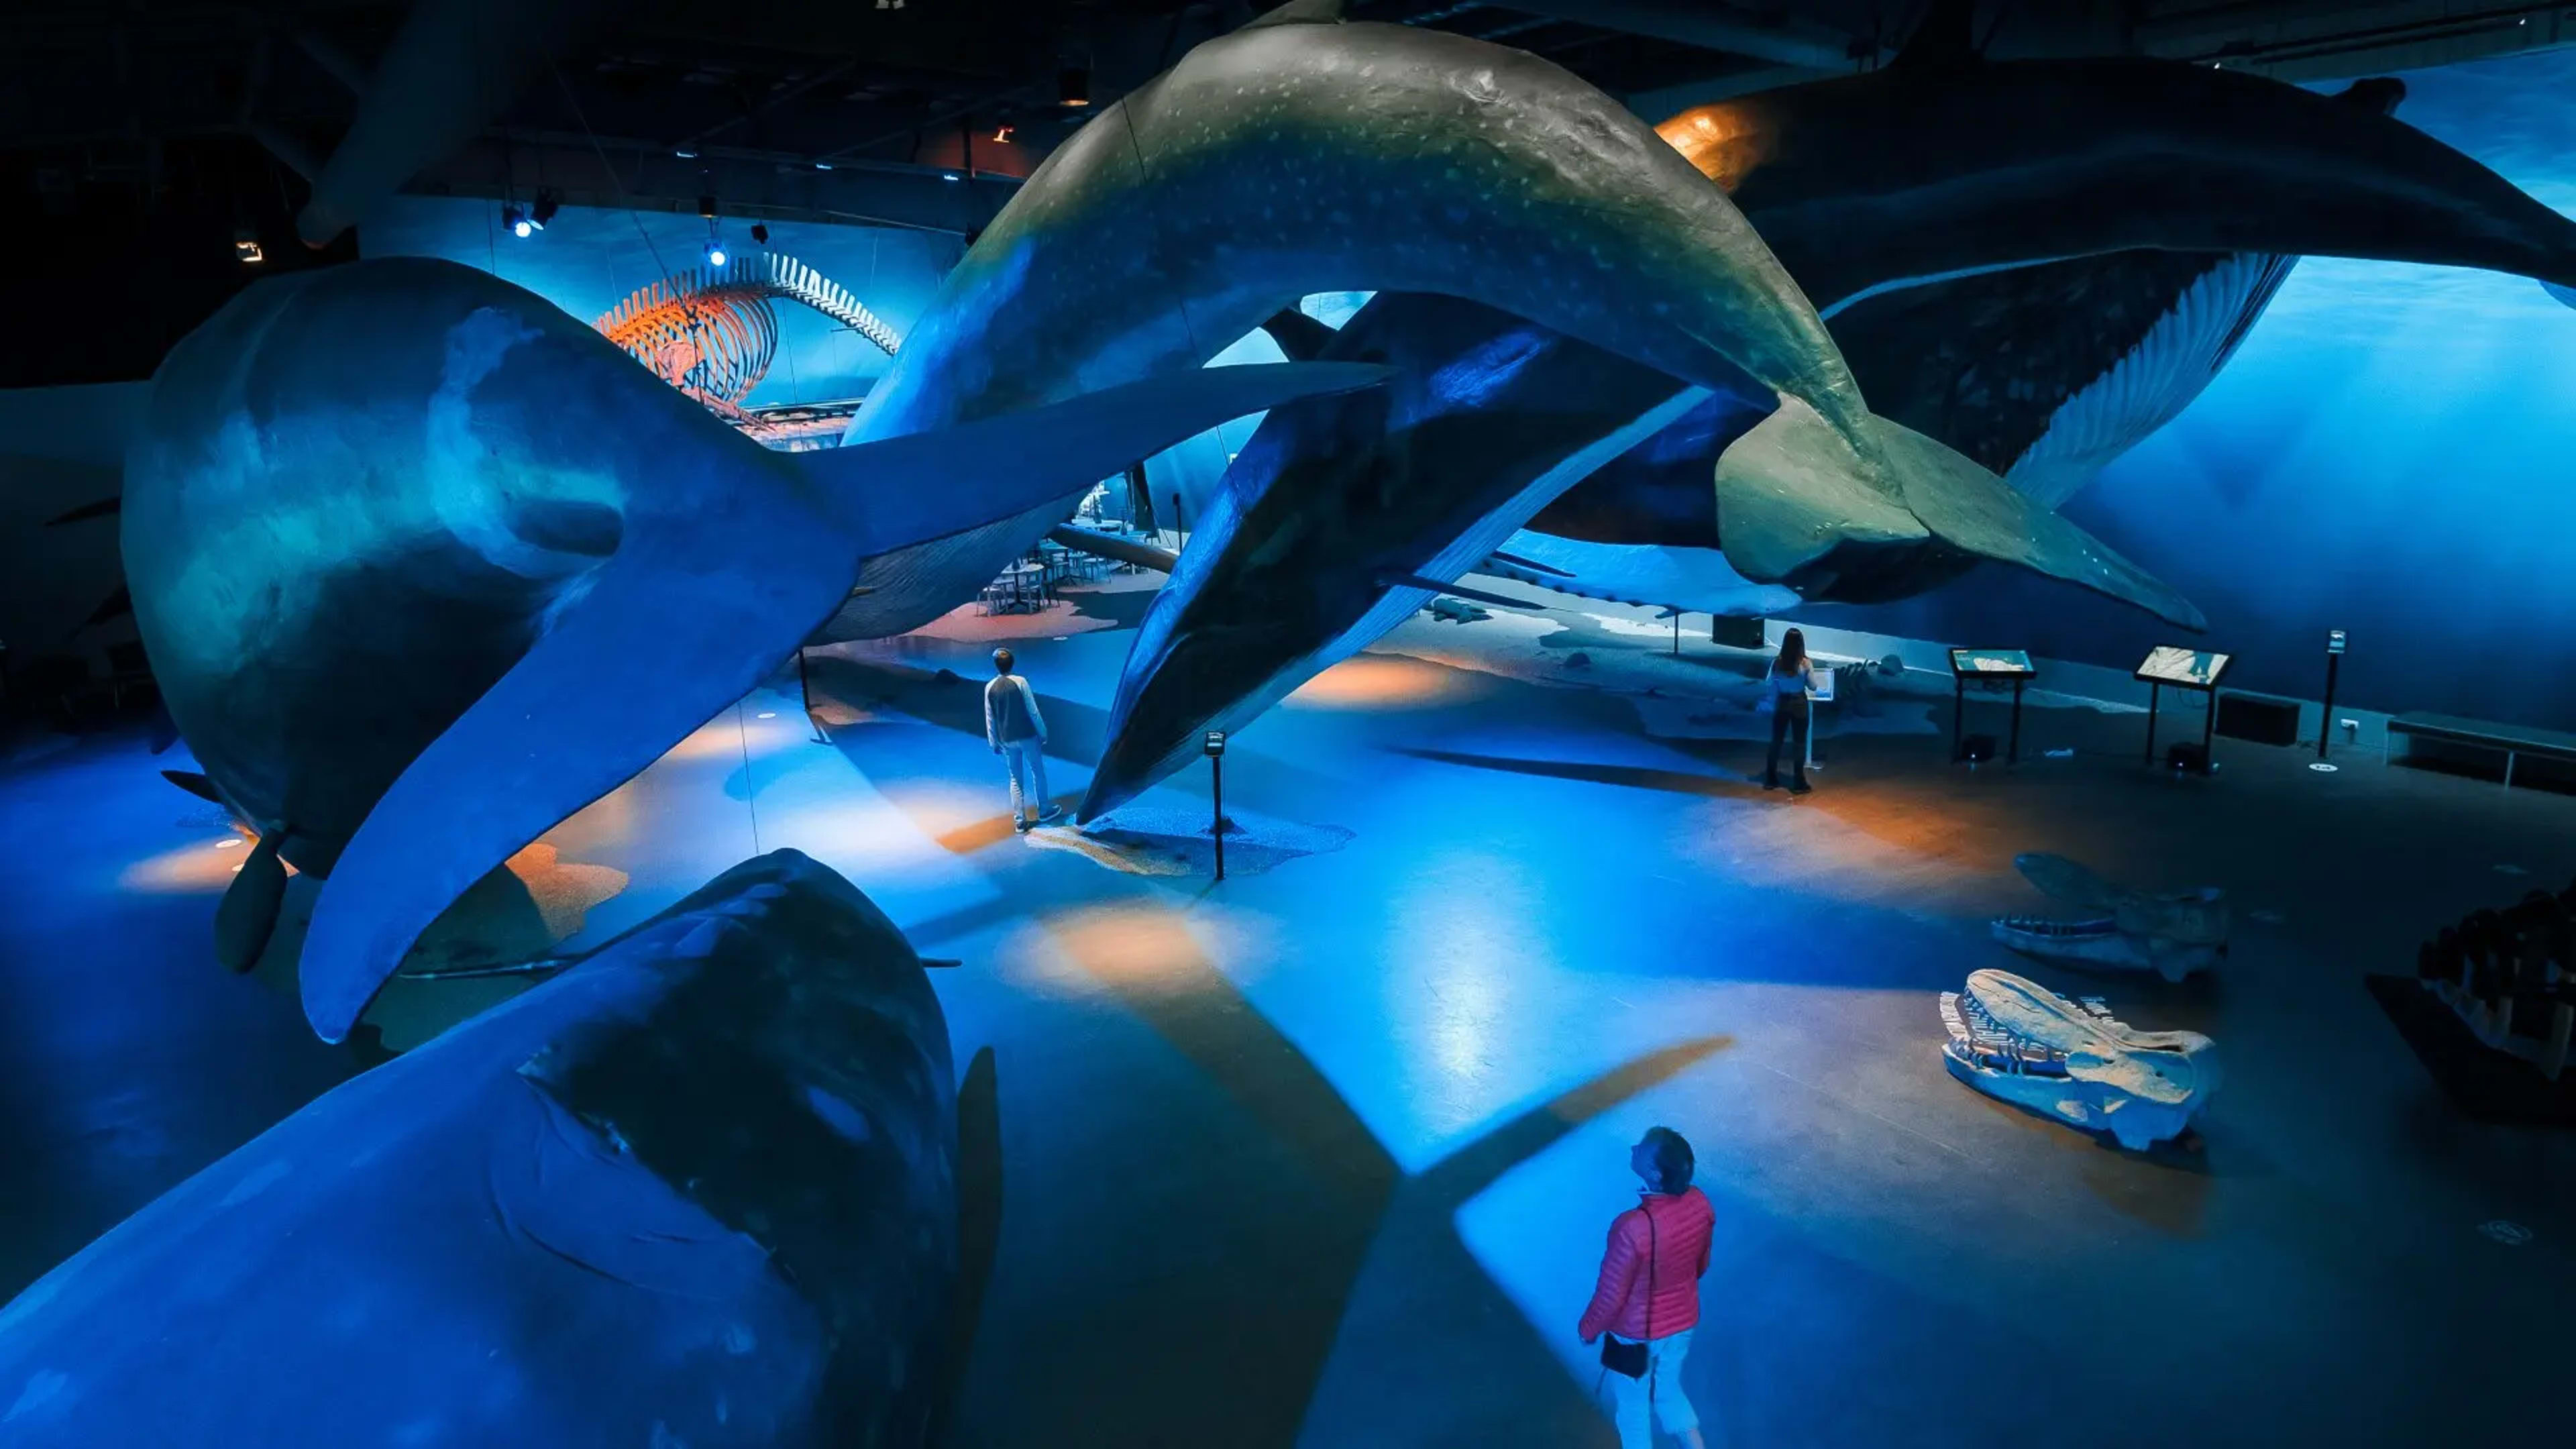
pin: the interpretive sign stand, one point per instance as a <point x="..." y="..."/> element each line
<point x="1988" y="667"/>
<point x="2170" y="666"/>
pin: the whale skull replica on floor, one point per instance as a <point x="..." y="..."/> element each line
<point x="698" y="1189"/>
<point x="1301" y="155"/>
<point x="1909" y="176"/>
<point x="409" y="546"/>
<point x="2019" y="1042"/>
<point x="2171" y="935"/>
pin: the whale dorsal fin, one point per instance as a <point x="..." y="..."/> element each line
<point x="1301" y="12"/>
<point x="1946" y="37"/>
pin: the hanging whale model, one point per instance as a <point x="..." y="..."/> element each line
<point x="424" y="565"/>
<point x="699" y="1189"/>
<point x="1301" y="154"/>
<point x="1920" y="175"/>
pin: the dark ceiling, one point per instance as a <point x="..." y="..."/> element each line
<point x="139" y="138"/>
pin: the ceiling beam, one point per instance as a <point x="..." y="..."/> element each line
<point x="1784" y="42"/>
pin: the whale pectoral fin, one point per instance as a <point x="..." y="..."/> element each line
<point x="1301" y="338"/>
<point x="247" y="915"/>
<point x="683" y="621"/>
<point x="1791" y="491"/>
<point x="1974" y="511"/>
<point x="195" y="783"/>
<point x="902" y="489"/>
<point x="689" y="615"/>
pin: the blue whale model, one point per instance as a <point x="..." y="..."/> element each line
<point x="424" y="565"/>
<point x="699" y="1189"/>
<point x="1925" y="175"/>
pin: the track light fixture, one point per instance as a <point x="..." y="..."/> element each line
<point x="517" y="221"/>
<point x="545" y="208"/>
<point x="759" y="234"/>
<point x="1073" y="86"/>
<point x="715" y="252"/>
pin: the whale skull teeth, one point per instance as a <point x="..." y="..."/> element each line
<point x="2019" y="1042"/>
<point x="2172" y="935"/>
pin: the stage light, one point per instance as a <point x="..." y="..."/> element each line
<point x="1073" y="86"/>
<point x="517" y="221"/>
<point x="544" y="211"/>
<point x="715" y="252"/>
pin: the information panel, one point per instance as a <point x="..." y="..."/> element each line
<point x="2189" y="668"/>
<point x="1991" y="664"/>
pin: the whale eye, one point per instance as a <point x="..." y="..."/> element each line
<point x="567" y="526"/>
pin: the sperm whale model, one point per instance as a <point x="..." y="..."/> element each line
<point x="1302" y="154"/>
<point x="699" y="1189"/>
<point x="424" y="565"/>
<point x="1917" y="175"/>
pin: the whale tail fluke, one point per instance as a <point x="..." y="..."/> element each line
<point x="688" y="616"/>
<point x="1789" y="498"/>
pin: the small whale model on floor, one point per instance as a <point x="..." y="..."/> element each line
<point x="2171" y="935"/>
<point x="2019" y="1042"/>
<point x="701" y="1188"/>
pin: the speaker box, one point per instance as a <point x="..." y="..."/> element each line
<point x="1977" y="749"/>
<point x="1735" y="633"/>
<point x="2261" y="718"/>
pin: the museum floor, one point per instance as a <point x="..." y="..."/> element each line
<point x="1323" y="1155"/>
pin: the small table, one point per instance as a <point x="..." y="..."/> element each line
<point x="1026" y="583"/>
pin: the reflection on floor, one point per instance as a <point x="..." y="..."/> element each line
<point x="1323" y="1155"/>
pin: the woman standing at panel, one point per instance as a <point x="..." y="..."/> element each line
<point x="1648" y="1296"/>
<point x="1791" y="676"/>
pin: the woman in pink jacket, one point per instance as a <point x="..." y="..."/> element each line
<point x="1649" y="1294"/>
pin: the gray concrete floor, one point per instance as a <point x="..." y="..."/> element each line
<point x="1323" y="1155"/>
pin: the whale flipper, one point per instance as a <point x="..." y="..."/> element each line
<point x="1781" y="535"/>
<point x="1301" y="337"/>
<point x="719" y="597"/>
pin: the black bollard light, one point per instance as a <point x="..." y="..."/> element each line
<point x="1214" y="745"/>
<point x="2325" y="716"/>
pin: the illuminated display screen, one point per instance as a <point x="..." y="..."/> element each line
<point x="2191" y="668"/>
<point x="1991" y="663"/>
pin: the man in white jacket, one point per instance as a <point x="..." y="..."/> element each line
<point x="1017" y="732"/>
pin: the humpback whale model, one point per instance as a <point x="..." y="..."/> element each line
<point x="411" y="547"/>
<point x="1919" y="175"/>
<point x="1302" y="154"/>
<point x="699" y="1189"/>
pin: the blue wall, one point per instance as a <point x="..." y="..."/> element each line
<point x="589" y="260"/>
<point x="2393" y="453"/>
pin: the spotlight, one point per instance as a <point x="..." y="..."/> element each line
<point x="1073" y="86"/>
<point x="246" y="248"/>
<point x="685" y="154"/>
<point x="544" y="211"/>
<point x="759" y="234"/>
<point x="715" y="252"/>
<point x="822" y="165"/>
<point x="952" y="176"/>
<point x="517" y="221"/>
